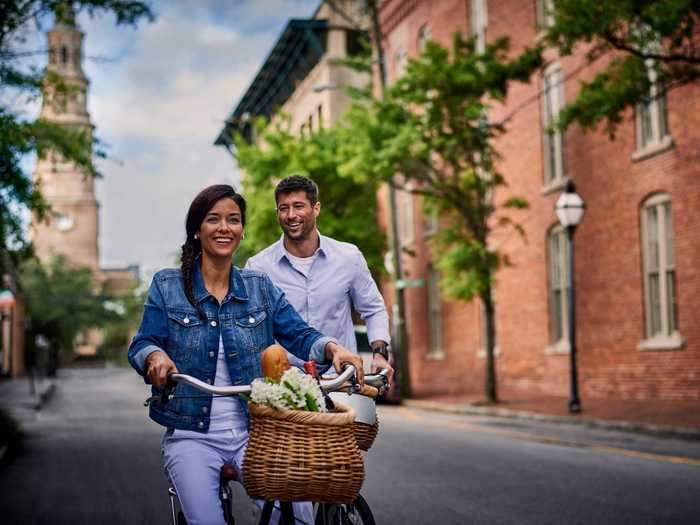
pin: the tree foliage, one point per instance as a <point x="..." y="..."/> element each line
<point x="643" y="35"/>
<point x="348" y="210"/>
<point x="19" y="136"/>
<point x="432" y="129"/>
<point x="62" y="301"/>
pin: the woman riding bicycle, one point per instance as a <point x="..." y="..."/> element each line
<point x="211" y="320"/>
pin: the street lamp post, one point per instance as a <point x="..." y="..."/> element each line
<point x="570" y="208"/>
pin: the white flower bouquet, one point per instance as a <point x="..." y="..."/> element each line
<point x="294" y="391"/>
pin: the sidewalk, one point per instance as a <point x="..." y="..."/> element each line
<point x="678" y="419"/>
<point x="17" y="397"/>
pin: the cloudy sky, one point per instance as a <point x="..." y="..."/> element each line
<point x="159" y="101"/>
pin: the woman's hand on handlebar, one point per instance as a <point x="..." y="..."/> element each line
<point x="341" y="356"/>
<point x="158" y="367"/>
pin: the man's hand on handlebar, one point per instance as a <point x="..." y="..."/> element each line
<point x="380" y="363"/>
<point x="158" y="367"/>
<point x="340" y="356"/>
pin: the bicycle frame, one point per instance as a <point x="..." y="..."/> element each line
<point x="225" y="495"/>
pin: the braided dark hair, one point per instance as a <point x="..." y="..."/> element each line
<point x="199" y="208"/>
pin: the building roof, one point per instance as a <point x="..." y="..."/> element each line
<point x="299" y="48"/>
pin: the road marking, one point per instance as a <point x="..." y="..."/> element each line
<point x="410" y="414"/>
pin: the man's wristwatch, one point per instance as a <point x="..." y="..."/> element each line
<point x="382" y="350"/>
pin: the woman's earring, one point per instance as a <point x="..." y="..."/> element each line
<point x="243" y="236"/>
<point x="196" y="236"/>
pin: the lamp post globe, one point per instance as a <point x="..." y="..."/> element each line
<point x="570" y="209"/>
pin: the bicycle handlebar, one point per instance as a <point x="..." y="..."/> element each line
<point x="327" y="385"/>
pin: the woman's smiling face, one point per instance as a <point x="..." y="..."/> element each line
<point x="221" y="230"/>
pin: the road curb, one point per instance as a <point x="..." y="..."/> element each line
<point x="690" y="434"/>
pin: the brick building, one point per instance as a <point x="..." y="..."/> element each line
<point x="637" y="278"/>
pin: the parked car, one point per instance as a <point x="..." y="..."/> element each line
<point x="393" y="394"/>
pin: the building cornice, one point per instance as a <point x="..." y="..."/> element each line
<point x="392" y="14"/>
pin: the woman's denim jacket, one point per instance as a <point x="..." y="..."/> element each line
<point x="251" y="317"/>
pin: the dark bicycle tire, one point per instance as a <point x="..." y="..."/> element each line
<point x="181" y="519"/>
<point x="358" y="513"/>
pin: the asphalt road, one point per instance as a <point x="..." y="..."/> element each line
<point x="92" y="456"/>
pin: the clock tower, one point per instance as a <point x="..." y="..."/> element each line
<point x="72" y="227"/>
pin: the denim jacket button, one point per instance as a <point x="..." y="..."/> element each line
<point x="213" y="323"/>
<point x="251" y="320"/>
<point x="186" y="320"/>
<point x="211" y="353"/>
<point x="200" y="424"/>
<point x="205" y="409"/>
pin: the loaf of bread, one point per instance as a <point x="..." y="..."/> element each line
<point x="274" y="362"/>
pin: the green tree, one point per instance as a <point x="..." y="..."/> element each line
<point x="348" y="210"/>
<point x="61" y="302"/>
<point x="20" y="137"/>
<point x="432" y="129"/>
<point x="645" y="38"/>
<point x="126" y="311"/>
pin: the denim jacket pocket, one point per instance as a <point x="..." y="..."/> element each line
<point x="253" y="330"/>
<point x="185" y="330"/>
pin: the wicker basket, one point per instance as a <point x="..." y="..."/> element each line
<point x="294" y="455"/>
<point x="365" y="434"/>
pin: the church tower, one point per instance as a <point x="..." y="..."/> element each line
<point x="72" y="228"/>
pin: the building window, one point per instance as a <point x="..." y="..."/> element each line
<point x="424" y="36"/>
<point x="435" y="313"/>
<point x="64" y="55"/>
<point x="553" y="140"/>
<point x="545" y="13"/>
<point x="479" y="21"/>
<point x="660" y="300"/>
<point x="431" y="223"/>
<point x="558" y="289"/>
<point x="310" y="123"/>
<point x="406" y="216"/>
<point x="651" y="123"/>
<point x="319" y="116"/>
<point x="400" y="61"/>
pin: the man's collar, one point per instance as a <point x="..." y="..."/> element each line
<point x="236" y="288"/>
<point x="280" y="252"/>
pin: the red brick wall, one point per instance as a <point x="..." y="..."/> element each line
<point x="609" y="285"/>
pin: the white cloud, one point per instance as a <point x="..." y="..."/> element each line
<point x="159" y="102"/>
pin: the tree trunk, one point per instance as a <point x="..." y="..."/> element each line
<point x="489" y="313"/>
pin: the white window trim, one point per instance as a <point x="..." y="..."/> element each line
<point x="479" y="22"/>
<point x="544" y="13"/>
<point x="400" y="61"/>
<point x="555" y="185"/>
<point x="653" y="148"/>
<point x="407" y="223"/>
<point x="554" y="175"/>
<point x="431" y="224"/>
<point x="425" y="34"/>
<point x="662" y="340"/>
<point x="563" y="345"/>
<point x="658" y="143"/>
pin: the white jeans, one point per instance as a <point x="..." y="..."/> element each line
<point x="193" y="461"/>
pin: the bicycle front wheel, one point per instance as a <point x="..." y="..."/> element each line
<point x="357" y="513"/>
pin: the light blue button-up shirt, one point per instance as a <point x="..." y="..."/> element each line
<point x="324" y="297"/>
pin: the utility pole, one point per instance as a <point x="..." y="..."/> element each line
<point x="400" y="342"/>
